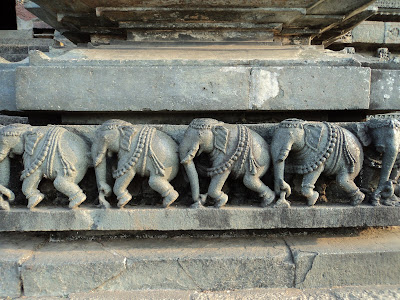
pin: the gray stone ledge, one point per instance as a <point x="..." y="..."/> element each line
<point x="230" y="218"/>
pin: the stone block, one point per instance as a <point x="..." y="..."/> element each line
<point x="202" y="264"/>
<point x="309" y="88"/>
<point x="385" y="90"/>
<point x="369" y="32"/>
<point x="392" y="32"/>
<point x="178" y="218"/>
<point x="153" y="88"/>
<point x="7" y="89"/>
<point x="58" y="269"/>
<point x="372" y="258"/>
<point x="14" y="251"/>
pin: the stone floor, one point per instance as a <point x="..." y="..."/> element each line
<point x="291" y="265"/>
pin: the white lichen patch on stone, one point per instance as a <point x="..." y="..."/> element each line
<point x="265" y="86"/>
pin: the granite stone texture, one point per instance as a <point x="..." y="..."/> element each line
<point x="309" y="88"/>
<point x="229" y="218"/>
<point x="188" y="88"/>
<point x="303" y="264"/>
<point x="385" y="90"/>
<point x="15" y="250"/>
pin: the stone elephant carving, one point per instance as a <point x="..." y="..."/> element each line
<point x="141" y="150"/>
<point x="51" y="152"/>
<point x="312" y="148"/>
<point x="384" y="134"/>
<point x="234" y="150"/>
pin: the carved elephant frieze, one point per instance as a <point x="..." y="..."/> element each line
<point x="384" y="135"/>
<point x="234" y="150"/>
<point x="141" y="150"/>
<point x="48" y="152"/>
<point x="313" y="148"/>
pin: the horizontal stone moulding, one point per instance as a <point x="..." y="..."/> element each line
<point x="230" y="218"/>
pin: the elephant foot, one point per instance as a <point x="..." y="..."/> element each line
<point x="282" y="203"/>
<point x="197" y="205"/>
<point x="221" y="201"/>
<point x="4" y="205"/>
<point x="170" y="198"/>
<point x="313" y="199"/>
<point x="35" y="200"/>
<point x="357" y="198"/>
<point x="392" y="201"/>
<point x="267" y="199"/>
<point x="124" y="199"/>
<point x="76" y="200"/>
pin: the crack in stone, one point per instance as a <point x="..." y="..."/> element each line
<point x="23" y="260"/>
<point x="293" y="261"/>
<point x="112" y="277"/>
<point x="188" y="275"/>
<point x="310" y="266"/>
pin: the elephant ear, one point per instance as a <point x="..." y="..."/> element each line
<point x="313" y="133"/>
<point x="32" y="138"/>
<point x="221" y="134"/>
<point x="127" y="133"/>
<point x="362" y="134"/>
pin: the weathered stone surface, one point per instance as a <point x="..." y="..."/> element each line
<point x="319" y="216"/>
<point x="369" y="259"/>
<point x="132" y="88"/>
<point x="14" y="251"/>
<point x="385" y="90"/>
<point x="61" y="268"/>
<point x="187" y="88"/>
<point x="339" y="293"/>
<point x="7" y="89"/>
<point x="202" y="264"/>
<point x="309" y="88"/>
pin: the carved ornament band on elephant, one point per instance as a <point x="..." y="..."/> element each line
<point x="141" y="150"/>
<point x="48" y="152"/>
<point x="233" y="150"/>
<point x="313" y="148"/>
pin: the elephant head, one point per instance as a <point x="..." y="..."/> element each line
<point x="13" y="140"/>
<point x="290" y="135"/>
<point x="202" y="135"/>
<point x="112" y="136"/>
<point x="384" y="134"/>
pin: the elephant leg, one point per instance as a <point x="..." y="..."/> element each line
<point x="254" y="183"/>
<point x="68" y="187"/>
<point x="121" y="188"/>
<point x="30" y="189"/>
<point x="308" y="185"/>
<point x="164" y="188"/>
<point x="215" y="189"/>
<point x="346" y="182"/>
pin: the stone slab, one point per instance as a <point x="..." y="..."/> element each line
<point x="58" y="269"/>
<point x="385" y="90"/>
<point x="157" y="88"/>
<point x="229" y="218"/>
<point x="310" y="88"/>
<point x="372" y="258"/>
<point x="7" y="90"/>
<point x="14" y="251"/>
<point x="191" y="88"/>
<point x="182" y="263"/>
<point x="386" y="292"/>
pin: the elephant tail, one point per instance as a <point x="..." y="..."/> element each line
<point x="348" y="156"/>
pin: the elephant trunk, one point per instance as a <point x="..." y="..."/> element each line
<point x="388" y="160"/>
<point x="99" y="150"/>
<point x="5" y="178"/>
<point x="280" y="149"/>
<point x="187" y="151"/>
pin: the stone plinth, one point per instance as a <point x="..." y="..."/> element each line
<point x="230" y="218"/>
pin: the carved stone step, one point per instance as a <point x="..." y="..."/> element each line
<point x="33" y="267"/>
<point x="230" y="218"/>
